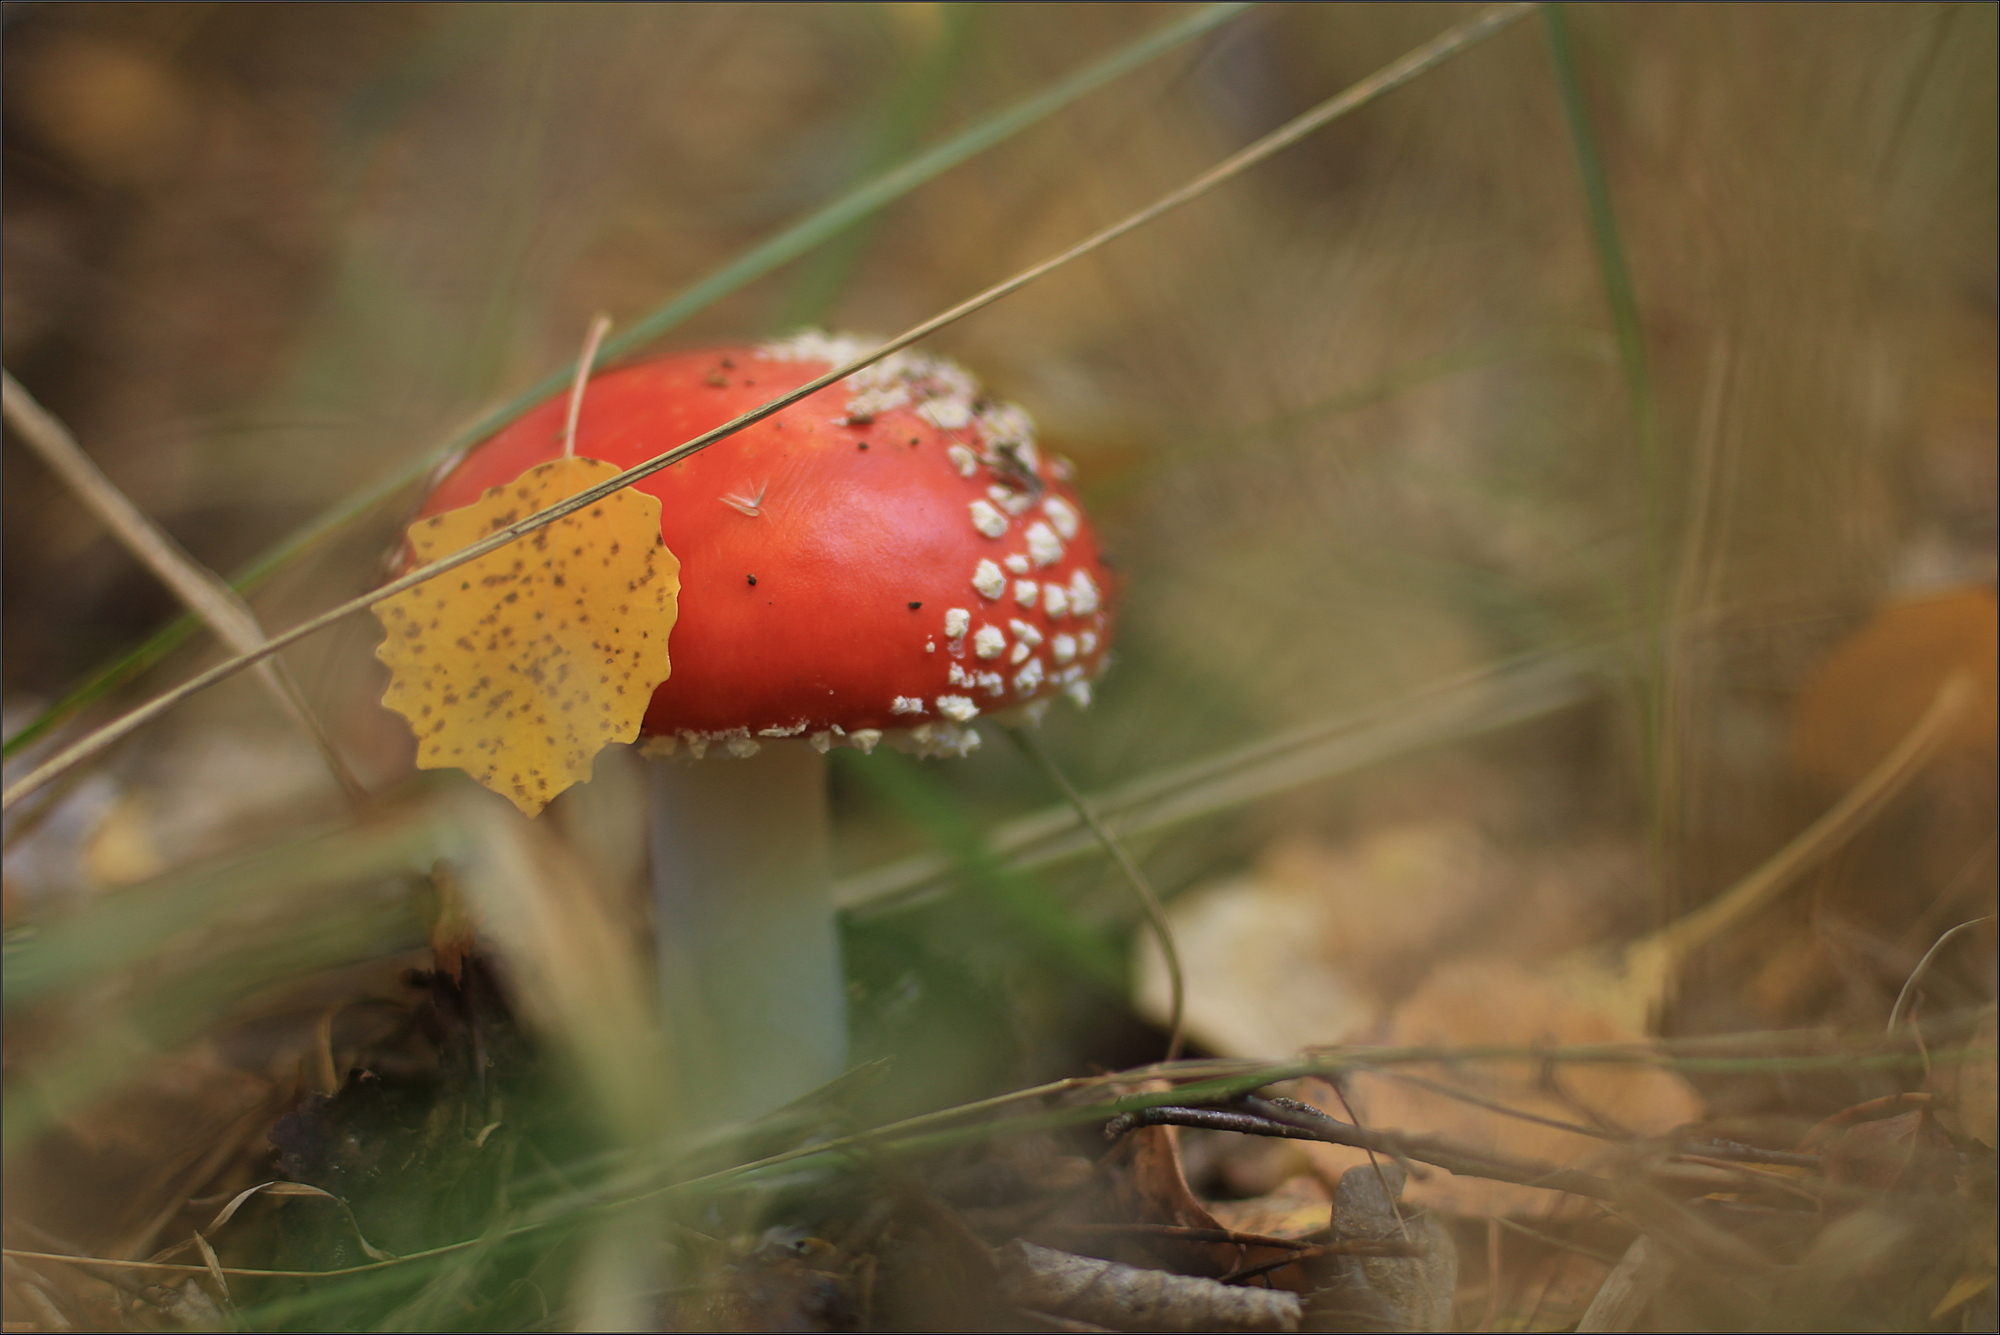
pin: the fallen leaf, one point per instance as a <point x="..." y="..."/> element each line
<point x="1302" y="950"/>
<point x="521" y="666"/>
<point x="1480" y="1002"/>
<point x="1150" y="1186"/>
<point x="1967" y="1087"/>
<point x="1297" y="1207"/>
<point x="1871" y="690"/>
<point x="1907" y="1153"/>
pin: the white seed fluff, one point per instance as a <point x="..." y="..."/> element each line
<point x="1063" y="648"/>
<point x="990" y="521"/>
<point x="1055" y="598"/>
<point x="1063" y="515"/>
<point x="906" y="704"/>
<point x="987" y="579"/>
<point x="989" y="642"/>
<point x="1044" y="547"/>
<point x="957" y="708"/>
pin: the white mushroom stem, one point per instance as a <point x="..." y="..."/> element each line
<point x="749" y="950"/>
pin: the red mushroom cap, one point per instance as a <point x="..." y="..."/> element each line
<point x="891" y="553"/>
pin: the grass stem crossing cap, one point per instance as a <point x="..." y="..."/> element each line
<point x="891" y="558"/>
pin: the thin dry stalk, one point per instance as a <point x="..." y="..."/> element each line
<point x="204" y="592"/>
<point x="1149" y="900"/>
<point x="1653" y="960"/>
<point x="1398" y="73"/>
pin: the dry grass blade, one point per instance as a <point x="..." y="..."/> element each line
<point x="214" y="1265"/>
<point x="1901" y="1010"/>
<point x="787" y="245"/>
<point x="1149" y="902"/>
<point x="1393" y="76"/>
<point x="1452" y="710"/>
<point x="575" y="969"/>
<point x="282" y="1188"/>
<point x="1651" y="963"/>
<point x="204" y="592"/>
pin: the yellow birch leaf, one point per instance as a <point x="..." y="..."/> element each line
<point x="519" y="667"/>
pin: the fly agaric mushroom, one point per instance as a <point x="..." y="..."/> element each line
<point x="884" y="561"/>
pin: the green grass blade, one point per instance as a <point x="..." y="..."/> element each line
<point x="902" y="118"/>
<point x="796" y="240"/>
<point x="122" y="930"/>
<point x="1604" y="234"/>
<point x="1650" y="667"/>
<point x="1449" y="711"/>
<point x="966" y="853"/>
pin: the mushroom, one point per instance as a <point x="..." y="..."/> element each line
<point x="884" y="562"/>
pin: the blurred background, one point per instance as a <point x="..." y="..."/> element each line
<point x="1605" y="590"/>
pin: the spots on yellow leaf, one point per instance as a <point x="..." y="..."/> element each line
<point x="486" y="688"/>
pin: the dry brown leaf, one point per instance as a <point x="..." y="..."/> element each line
<point x="1967" y="1088"/>
<point x="1300" y="951"/>
<point x="520" y="666"/>
<point x="1299" y="1206"/>
<point x="1481" y="1002"/>
<point x="1151" y="1186"/>
<point x="1876" y="684"/>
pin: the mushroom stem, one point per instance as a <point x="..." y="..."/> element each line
<point x="748" y="947"/>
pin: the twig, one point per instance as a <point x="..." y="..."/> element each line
<point x="204" y="592"/>
<point x="1149" y="902"/>
<point x="1367" y="90"/>
<point x="1371" y="1248"/>
<point x="1219" y="1079"/>
<point x="1267" y="1119"/>
<point x="1184" y="1233"/>
<point x="1128" y="1298"/>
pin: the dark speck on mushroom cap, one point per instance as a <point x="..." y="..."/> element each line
<point x="876" y="571"/>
